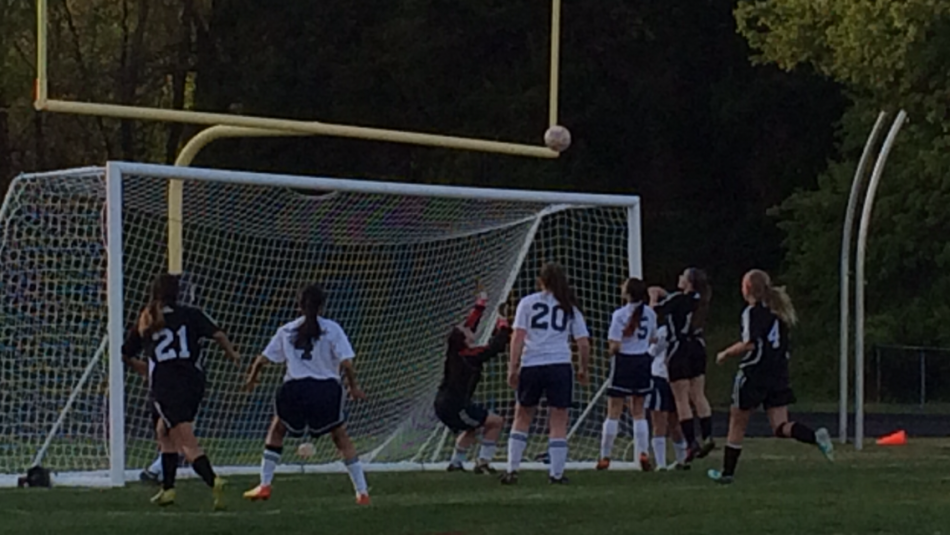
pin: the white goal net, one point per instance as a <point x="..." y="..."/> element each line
<point x="401" y="264"/>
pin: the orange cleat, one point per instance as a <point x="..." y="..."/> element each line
<point x="603" y="464"/>
<point x="258" y="494"/>
<point x="645" y="463"/>
<point x="362" y="499"/>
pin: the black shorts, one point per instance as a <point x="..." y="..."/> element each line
<point x="661" y="398"/>
<point x="175" y="400"/>
<point x="630" y="375"/>
<point x="687" y="359"/>
<point x="554" y="381"/>
<point x="176" y="404"/>
<point x="460" y="416"/>
<point x="749" y="393"/>
<point x="314" y="405"/>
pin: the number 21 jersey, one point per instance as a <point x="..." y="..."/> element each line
<point x="174" y="350"/>
<point x="548" y="329"/>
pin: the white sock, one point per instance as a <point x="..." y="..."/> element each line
<point x="459" y="457"/>
<point x="557" y="450"/>
<point x="608" y="437"/>
<point x="682" y="449"/>
<point x="156" y="466"/>
<point x="641" y="438"/>
<point x="659" y="451"/>
<point x="517" y="442"/>
<point x="487" y="451"/>
<point x="355" y="468"/>
<point x="269" y="464"/>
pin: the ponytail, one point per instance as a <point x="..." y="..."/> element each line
<point x="781" y="305"/>
<point x="700" y="284"/>
<point x="554" y="280"/>
<point x="164" y="293"/>
<point x="635" y="291"/>
<point x="311" y="301"/>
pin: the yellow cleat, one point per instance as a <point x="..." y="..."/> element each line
<point x="258" y="493"/>
<point x="164" y="498"/>
<point x="218" y="492"/>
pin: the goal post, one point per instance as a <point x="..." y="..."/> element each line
<point x="78" y="250"/>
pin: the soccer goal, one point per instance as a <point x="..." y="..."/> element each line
<point x="401" y="264"/>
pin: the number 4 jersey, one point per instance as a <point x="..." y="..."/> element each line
<point x="769" y="334"/>
<point x="174" y="350"/>
<point x="549" y="329"/>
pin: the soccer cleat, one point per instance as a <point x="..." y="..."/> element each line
<point x="827" y="447"/>
<point x="563" y="480"/>
<point x="218" y="492"/>
<point x="509" y="478"/>
<point x="455" y="468"/>
<point x="148" y="477"/>
<point x="706" y="448"/>
<point x="645" y="465"/>
<point x="603" y="463"/>
<point x="362" y="498"/>
<point x="483" y="467"/>
<point x="259" y="493"/>
<point x="718" y="477"/>
<point x="679" y="467"/>
<point x="164" y="497"/>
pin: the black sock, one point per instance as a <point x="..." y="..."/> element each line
<point x="689" y="431"/>
<point x="169" y="470"/>
<point x="202" y="467"/>
<point x="803" y="433"/>
<point x="731" y="459"/>
<point x="705" y="426"/>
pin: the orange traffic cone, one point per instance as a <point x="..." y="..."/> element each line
<point x="894" y="439"/>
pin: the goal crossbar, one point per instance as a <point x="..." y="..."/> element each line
<point x="373" y="187"/>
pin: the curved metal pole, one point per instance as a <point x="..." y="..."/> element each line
<point x="860" y="280"/>
<point x="846" y="275"/>
<point x="185" y="158"/>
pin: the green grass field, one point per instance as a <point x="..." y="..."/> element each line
<point x="782" y="488"/>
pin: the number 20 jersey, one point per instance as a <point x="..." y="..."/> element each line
<point x="548" y="330"/>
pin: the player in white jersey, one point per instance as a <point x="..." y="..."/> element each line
<point x="662" y="407"/>
<point x="632" y="327"/>
<point x="316" y="353"/>
<point x="540" y="364"/>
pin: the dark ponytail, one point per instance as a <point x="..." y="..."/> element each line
<point x="635" y="290"/>
<point x="700" y="283"/>
<point x="311" y="301"/>
<point x="555" y="281"/>
<point x="164" y="293"/>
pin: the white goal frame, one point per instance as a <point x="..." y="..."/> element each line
<point x="116" y="171"/>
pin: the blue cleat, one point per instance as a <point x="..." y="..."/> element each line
<point x="717" y="476"/>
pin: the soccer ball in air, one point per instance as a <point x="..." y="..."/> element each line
<point x="557" y="138"/>
<point x="306" y="450"/>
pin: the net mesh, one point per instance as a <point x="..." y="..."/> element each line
<point x="399" y="271"/>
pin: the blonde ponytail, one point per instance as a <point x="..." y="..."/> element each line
<point x="781" y="305"/>
<point x="152" y="319"/>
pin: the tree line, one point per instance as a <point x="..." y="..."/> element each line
<point x="738" y="122"/>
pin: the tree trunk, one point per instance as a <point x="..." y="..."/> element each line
<point x="131" y="67"/>
<point x="180" y="77"/>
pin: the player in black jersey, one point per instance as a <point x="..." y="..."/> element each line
<point x="463" y="371"/>
<point x="686" y="312"/>
<point x="763" y="372"/>
<point x="167" y="335"/>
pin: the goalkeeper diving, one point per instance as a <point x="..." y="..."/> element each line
<point x="463" y="371"/>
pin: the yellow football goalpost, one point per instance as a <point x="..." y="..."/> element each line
<point x="230" y="126"/>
